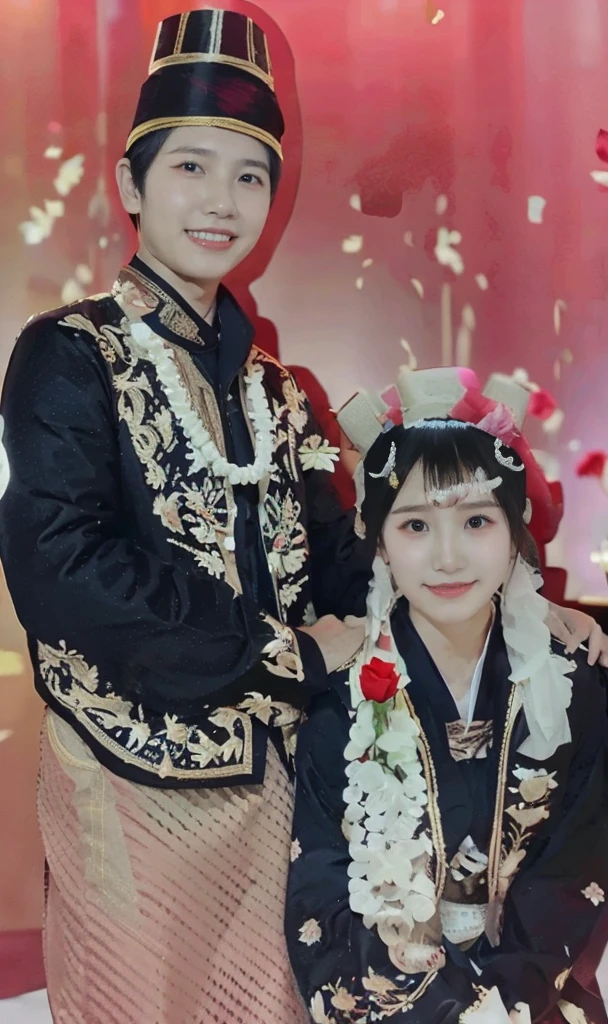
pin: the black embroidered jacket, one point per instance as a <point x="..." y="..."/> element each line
<point x="162" y="604"/>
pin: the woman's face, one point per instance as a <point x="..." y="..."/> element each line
<point x="448" y="560"/>
<point x="205" y="203"/>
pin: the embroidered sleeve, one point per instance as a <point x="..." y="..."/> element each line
<point x="166" y="637"/>
<point x="556" y="884"/>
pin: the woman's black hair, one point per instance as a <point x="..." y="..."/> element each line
<point x="143" y="153"/>
<point x="449" y="452"/>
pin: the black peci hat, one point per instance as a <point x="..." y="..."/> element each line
<point x="210" y="67"/>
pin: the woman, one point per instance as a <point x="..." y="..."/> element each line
<point x="450" y="845"/>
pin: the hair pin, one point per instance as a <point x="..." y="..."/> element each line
<point x="388" y="470"/>
<point x="505" y="460"/>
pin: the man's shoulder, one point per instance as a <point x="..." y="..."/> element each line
<point x="85" y="317"/>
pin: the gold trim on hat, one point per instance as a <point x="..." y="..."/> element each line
<point x="250" y="46"/>
<point x="181" y="32"/>
<point x="216" y="32"/>
<point x="231" y="123"/>
<point x="212" y="58"/>
<point x="155" y="47"/>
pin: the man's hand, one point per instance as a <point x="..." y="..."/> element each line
<point x="574" y="628"/>
<point x="338" y="641"/>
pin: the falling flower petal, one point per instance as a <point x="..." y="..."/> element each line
<point x="601" y="145"/>
<point x="468" y="317"/>
<point x="38" y="227"/>
<point x="53" y="152"/>
<point x="441" y="205"/>
<point x="367" y="263"/>
<point x="352" y="244"/>
<point x="359" y="283"/>
<point x="408" y="238"/>
<point x="542" y="404"/>
<point x="554" y="422"/>
<point x="418" y="286"/>
<point x="72" y="291"/>
<point x="482" y="282"/>
<point x="355" y="202"/>
<point x="591" y="464"/>
<point x="11" y="663"/>
<point x="5" y="734"/>
<point x="536" y="208"/>
<point x="83" y="274"/>
<point x="54" y="207"/>
<point x="445" y="251"/>
<point x="559" y="307"/>
<point x="70" y="174"/>
<point x="412" y="362"/>
<point x="600" y="178"/>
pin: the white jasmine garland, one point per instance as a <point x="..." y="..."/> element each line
<point x="203" y="452"/>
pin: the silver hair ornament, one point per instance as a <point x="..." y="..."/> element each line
<point x="505" y="460"/>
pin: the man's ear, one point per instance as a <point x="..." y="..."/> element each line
<point x="130" y="197"/>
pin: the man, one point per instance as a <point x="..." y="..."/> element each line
<point x="177" y="558"/>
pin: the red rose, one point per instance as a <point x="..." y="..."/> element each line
<point x="591" y="464"/>
<point x="379" y="680"/>
<point x="542" y="404"/>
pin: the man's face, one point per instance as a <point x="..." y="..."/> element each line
<point x="205" y="203"/>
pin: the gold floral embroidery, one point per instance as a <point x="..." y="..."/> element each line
<point x="282" y="652"/>
<point x="573" y="1014"/>
<point x="167" y="747"/>
<point x="316" y="453"/>
<point x="334" y="1004"/>
<point x="562" y="978"/>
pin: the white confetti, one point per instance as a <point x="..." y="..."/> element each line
<point x="548" y="463"/>
<point x="521" y="376"/>
<point x="408" y="238"/>
<point x="412" y="362"/>
<point x="445" y="251"/>
<point x="70" y="174"/>
<point x="355" y="203"/>
<point x="53" y="152"/>
<point x="5" y="734"/>
<point x="72" y="291"/>
<point x="359" y="283"/>
<point x="559" y="307"/>
<point x="83" y="274"/>
<point x="482" y="282"/>
<point x="536" y="209"/>
<point x="468" y="317"/>
<point x="440" y="15"/>
<point x="39" y="226"/>
<point x="554" y="422"/>
<point x="441" y="205"/>
<point x="600" y="178"/>
<point x="417" y="286"/>
<point x="567" y="356"/>
<point x="54" y="207"/>
<point x="574" y="446"/>
<point x="11" y="663"/>
<point x="367" y="263"/>
<point x="557" y="369"/>
<point x="352" y="244"/>
<point x="103" y="242"/>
